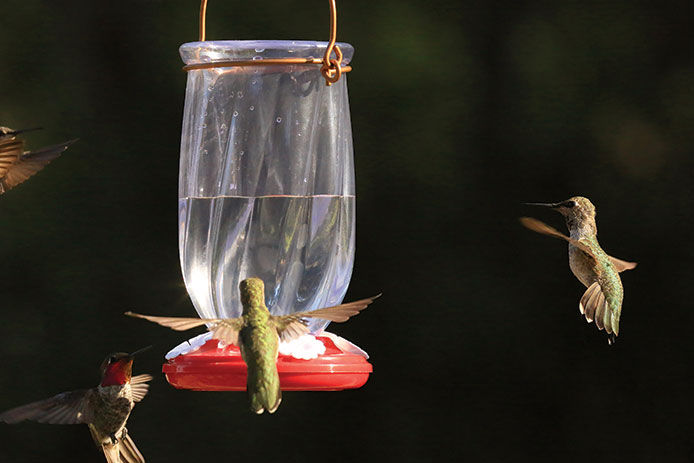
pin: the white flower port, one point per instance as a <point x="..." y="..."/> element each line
<point x="306" y="347"/>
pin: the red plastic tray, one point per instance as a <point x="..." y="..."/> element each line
<point x="213" y="369"/>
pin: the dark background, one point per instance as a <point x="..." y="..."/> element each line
<point x="460" y="113"/>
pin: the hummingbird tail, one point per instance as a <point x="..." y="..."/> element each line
<point x="264" y="392"/>
<point x="111" y="453"/>
<point x="265" y="400"/>
<point x="123" y="451"/>
<point x="129" y="452"/>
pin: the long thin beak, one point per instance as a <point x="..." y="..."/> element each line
<point x="139" y="351"/>
<point x="552" y="205"/>
<point x="17" y="132"/>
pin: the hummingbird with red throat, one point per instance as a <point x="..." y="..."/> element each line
<point x="105" y="408"/>
<point x="17" y="165"/>
<point x="599" y="272"/>
<point x="257" y="333"/>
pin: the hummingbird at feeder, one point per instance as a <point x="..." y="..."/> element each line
<point x="105" y="408"/>
<point x="17" y="165"/>
<point x="599" y="272"/>
<point x="257" y="333"/>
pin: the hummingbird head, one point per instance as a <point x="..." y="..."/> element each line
<point x="252" y="293"/>
<point x="117" y="368"/>
<point x="578" y="211"/>
<point x="7" y="132"/>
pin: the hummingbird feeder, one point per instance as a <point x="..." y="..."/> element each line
<point x="266" y="189"/>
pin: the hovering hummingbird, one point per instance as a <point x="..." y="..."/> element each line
<point x="105" y="408"/>
<point x="599" y="272"/>
<point x="17" y="165"/>
<point x="257" y="333"/>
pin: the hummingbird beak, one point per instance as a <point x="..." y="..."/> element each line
<point x="17" y="132"/>
<point x="139" y="351"/>
<point x="552" y="205"/>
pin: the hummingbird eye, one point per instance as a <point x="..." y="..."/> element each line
<point x="112" y="359"/>
<point x="570" y="204"/>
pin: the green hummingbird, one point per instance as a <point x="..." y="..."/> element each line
<point x="598" y="271"/>
<point x="257" y="333"/>
<point x="17" y="165"/>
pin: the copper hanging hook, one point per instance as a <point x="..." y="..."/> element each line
<point x="203" y="15"/>
<point x="331" y="68"/>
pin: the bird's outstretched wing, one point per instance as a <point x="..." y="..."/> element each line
<point x="622" y="265"/>
<point x="175" y="323"/>
<point x="541" y="227"/>
<point x="294" y="325"/>
<point x="26" y="164"/>
<point x="595" y="307"/>
<point x="225" y="330"/>
<point x="66" y="408"/>
<point x="139" y="386"/>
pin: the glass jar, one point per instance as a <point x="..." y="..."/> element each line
<point x="266" y="181"/>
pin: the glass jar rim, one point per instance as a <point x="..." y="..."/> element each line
<point x="244" y="50"/>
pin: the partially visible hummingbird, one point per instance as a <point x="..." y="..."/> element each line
<point x="257" y="333"/>
<point x="17" y="165"/>
<point x="598" y="271"/>
<point x="105" y="408"/>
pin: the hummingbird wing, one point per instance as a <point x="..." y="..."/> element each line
<point x="139" y="386"/>
<point x="175" y="323"/>
<point x="66" y="408"/>
<point x="541" y="227"/>
<point x="622" y="265"/>
<point x="223" y="329"/>
<point x="294" y="325"/>
<point x="30" y="163"/>
<point x="227" y="330"/>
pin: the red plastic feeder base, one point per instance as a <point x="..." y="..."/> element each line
<point x="213" y="369"/>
